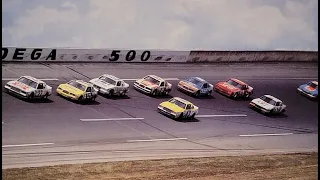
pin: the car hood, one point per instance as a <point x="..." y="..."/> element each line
<point x="21" y="86"/>
<point x="228" y="86"/>
<point x="262" y="103"/>
<point x="147" y="83"/>
<point x="189" y="85"/>
<point x="308" y="89"/>
<point x="71" y="89"/>
<point x="101" y="83"/>
<point x="172" y="106"/>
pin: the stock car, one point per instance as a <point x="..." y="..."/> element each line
<point x="195" y="86"/>
<point x="309" y="89"/>
<point x="268" y="104"/>
<point x="178" y="108"/>
<point x="110" y="85"/>
<point x="154" y="85"/>
<point x="78" y="90"/>
<point x="234" y="88"/>
<point x="29" y="88"/>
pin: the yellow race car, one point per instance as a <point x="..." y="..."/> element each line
<point x="178" y="108"/>
<point x="78" y="90"/>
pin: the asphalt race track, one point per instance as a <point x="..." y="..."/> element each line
<point x="59" y="131"/>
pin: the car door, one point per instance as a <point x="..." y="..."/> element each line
<point x="40" y="90"/>
<point x="88" y="93"/>
<point x="162" y="87"/>
<point x="117" y="88"/>
<point x="278" y="107"/>
<point x="204" y="88"/>
<point x="188" y="111"/>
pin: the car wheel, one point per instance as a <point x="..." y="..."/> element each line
<point x="46" y="96"/>
<point x="235" y="95"/>
<point x="247" y="95"/>
<point x="111" y="92"/>
<point x="209" y="93"/>
<point x="180" y="117"/>
<point x="154" y="93"/>
<point x="80" y="99"/>
<point x="197" y="94"/>
<point x="193" y="115"/>
<point x="31" y="96"/>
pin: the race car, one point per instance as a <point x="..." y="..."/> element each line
<point x="234" y="88"/>
<point x="78" y="90"/>
<point x="154" y="85"/>
<point x="268" y="104"/>
<point x="310" y="89"/>
<point x="178" y="108"/>
<point x="29" y="88"/>
<point x="110" y="85"/>
<point x="195" y="86"/>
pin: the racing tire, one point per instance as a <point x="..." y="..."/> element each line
<point x="80" y="99"/>
<point x="193" y="115"/>
<point x="247" y="95"/>
<point x="154" y="93"/>
<point x="235" y="95"/>
<point x="209" y="93"/>
<point x="180" y="117"/>
<point x="197" y="94"/>
<point x="111" y="92"/>
<point x="31" y="96"/>
<point x="45" y="96"/>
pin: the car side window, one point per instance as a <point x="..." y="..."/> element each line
<point x="277" y="103"/>
<point x="205" y="85"/>
<point x="88" y="89"/>
<point x="188" y="106"/>
<point x="40" y="86"/>
<point x="162" y="84"/>
<point x="119" y="83"/>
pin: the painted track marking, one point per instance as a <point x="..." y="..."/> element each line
<point x="257" y="135"/>
<point x="111" y="119"/>
<point x="26" y="145"/>
<point x="44" y="79"/>
<point x="221" y="115"/>
<point x="154" y="140"/>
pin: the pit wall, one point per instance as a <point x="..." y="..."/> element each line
<point x="18" y="54"/>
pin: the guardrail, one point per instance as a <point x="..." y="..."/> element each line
<point x="17" y="54"/>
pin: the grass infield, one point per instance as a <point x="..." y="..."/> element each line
<point x="297" y="166"/>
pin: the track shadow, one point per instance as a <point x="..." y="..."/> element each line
<point x="89" y="103"/>
<point x="277" y="116"/>
<point x="189" y="120"/>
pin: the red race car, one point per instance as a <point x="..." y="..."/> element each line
<point x="234" y="88"/>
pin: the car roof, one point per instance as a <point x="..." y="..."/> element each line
<point x="33" y="79"/>
<point x="112" y="77"/>
<point x="198" y="78"/>
<point x="238" y="81"/>
<point x="182" y="100"/>
<point x="273" y="98"/>
<point x="155" y="77"/>
<point x="83" y="83"/>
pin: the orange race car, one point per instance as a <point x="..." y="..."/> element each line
<point x="234" y="88"/>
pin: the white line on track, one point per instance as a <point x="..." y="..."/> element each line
<point x="25" y="145"/>
<point x="169" y="79"/>
<point x="45" y="79"/>
<point x="221" y="115"/>
<point x="111" y="119"/>
<point x="153" y="140"/>
<point x="257" y="135"/>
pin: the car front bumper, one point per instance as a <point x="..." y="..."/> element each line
<point x="167" y="113"/>
<point x="186" y="89"/>
<point x="15" y="91"/>
<point x="66" y="94"/>
<point x="259" y="108"/>
<point x="142" y="89"/>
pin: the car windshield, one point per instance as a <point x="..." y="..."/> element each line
<point x="178" y="103"/>
<point x="313" y="85"/>
<point x="108" y="80"/>
<point x="233" y="83"/>
<point x="152" y="80"/>
<point x="268" y="100"/>
<point x="28" y="82"/>
<point x="77" y="85"/>
<point x="195" y="81"/>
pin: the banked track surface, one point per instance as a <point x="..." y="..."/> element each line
<point x="55" y="131"/>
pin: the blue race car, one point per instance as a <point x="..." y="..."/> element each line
<point x="310" y="89"/>
<point x="195" y="86"/>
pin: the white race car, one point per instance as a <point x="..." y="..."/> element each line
<point x="29" y="87"/>
<point x="268" y="104"/>
<point x="110" y="85"/>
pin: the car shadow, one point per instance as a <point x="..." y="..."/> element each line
<point x="277" y="116"/>
<point x="115" y="97"/>
<point x="188" y="120"/>
<point x="88" y="103"/>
